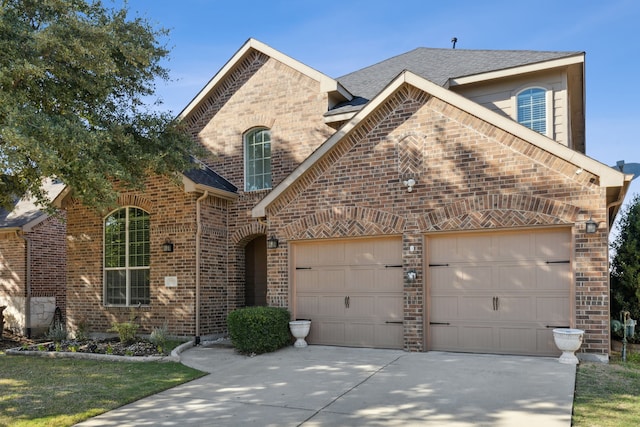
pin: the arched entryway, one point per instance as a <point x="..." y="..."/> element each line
<point x="255" y="290"/>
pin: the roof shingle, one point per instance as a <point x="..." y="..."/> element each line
<point x="437" y="66"/>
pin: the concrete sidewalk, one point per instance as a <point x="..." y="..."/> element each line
<point x="336" y="386"/>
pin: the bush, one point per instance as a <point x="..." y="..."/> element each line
<point x="57" y="333"/>
<point x="126" y="331"/>
<point x="82" y="330"/>
<point x="259" y="329"/>
<point x="159" y="337"/>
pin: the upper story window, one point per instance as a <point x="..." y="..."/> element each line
<point x="126" y="257"/>
<point x="532" y="109"/>
<point x="257" y="163"/>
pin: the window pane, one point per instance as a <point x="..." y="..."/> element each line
<point x="115" y="240"/>
<point x="139" y="247"/>
<point x="532" y="109"/>
<point x="127" y="231"/>
<point x="116" y="287"/>
<point x="140" y="287"/>
<point x="258" y="160"/>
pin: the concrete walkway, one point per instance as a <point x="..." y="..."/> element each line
<point x="336" y="386"/>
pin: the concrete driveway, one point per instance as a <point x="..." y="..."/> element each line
<point x="336" y="386"/>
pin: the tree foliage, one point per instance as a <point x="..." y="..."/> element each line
<point x="74" y="76"/>
<point x="625" y="264"/>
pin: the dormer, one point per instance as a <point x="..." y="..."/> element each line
<point x="547" y="97"/>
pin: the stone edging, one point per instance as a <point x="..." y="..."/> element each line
<point x="174" y="357"/>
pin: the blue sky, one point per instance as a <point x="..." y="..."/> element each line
<point x="338" y="37"/>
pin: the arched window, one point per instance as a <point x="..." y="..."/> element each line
<point x="257" y="155"/>
<point x="126" y="257"/>
<point x="532" y="109"/>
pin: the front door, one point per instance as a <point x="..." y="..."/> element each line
<point x="255" y="291"/>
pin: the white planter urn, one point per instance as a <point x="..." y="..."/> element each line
<point x="568" y="342"/>
<point x="300" y="330"/>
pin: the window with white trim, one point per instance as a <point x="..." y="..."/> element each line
<point x="257" y="155"/>
<point x="126" y="257"/>
<point x="532" y="109"/>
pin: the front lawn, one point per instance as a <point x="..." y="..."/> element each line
<point x="608" y="395"/>
<point x="38" y="391"/>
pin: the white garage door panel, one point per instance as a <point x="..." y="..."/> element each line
<point x="351" y="290"/>
<point x="475" y="308"/>
<point x="516" y="308"/>
<point x="477" y="337"/>
<point x="499" y="292"/>
<point x="326" y="331"/>
<point x="552" y="309"/>
<point x="443" y="307"/>
<point x="517" y="340"/>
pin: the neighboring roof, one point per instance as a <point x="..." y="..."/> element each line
<point x="440" y="66"/>
<point x="26" y="213"/>
<point x="608" y="176"/>
<point x="202" y="178"/>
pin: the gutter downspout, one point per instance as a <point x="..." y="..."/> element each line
<point x="27" y="304"/>
<point x="198" y="250"/>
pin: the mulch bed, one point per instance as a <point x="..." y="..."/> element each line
<point x="10" y="340"/>
<point x="105" y="346"/>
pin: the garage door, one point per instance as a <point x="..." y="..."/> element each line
<point x="499" y="292"/>
<point x="351" y="290"/>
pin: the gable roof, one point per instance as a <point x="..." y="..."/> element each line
<point x="608" y="176"/>
<point x="446" y="67"/>
<point x="327" y="84"/>
<point x="26" y="213"/>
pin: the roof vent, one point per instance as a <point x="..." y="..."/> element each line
<point x="454" y="41"/>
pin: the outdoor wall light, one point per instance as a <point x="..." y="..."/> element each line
<point x="590" y="226"/>
<point x="272" y="242"/>
<point x="167" y="246"/>
<point x="409" y="184"/>
<point x="412" y="275"/>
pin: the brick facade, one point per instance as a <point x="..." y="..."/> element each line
<point x="470" y="175"/>
<point x="32" y="267"/>
<point x="172" y="216"/>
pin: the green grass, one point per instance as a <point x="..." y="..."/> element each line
<point x="38" y="391"/>
<point x="608" y="395"/>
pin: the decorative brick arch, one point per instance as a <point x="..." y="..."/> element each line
<point x="345" y="222"/>
<point x="246" y="233"/>
<point x="257" y="120"/>
<point x="498" y="211"/>
<point x="135" y="200"/>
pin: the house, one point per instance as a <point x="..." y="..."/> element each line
<point x="437" y="200"/>
<point x="32" y="264"/>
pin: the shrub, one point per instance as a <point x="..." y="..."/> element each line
<point x="126" y="331"/>
<point x="82" y="330"/>
<point x="159" y="337"/>
<point x="57" y="333"/>
<point x="259" y="329"/>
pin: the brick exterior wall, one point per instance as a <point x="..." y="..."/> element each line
<point x="13" y="265"/>
<point x="260" y="91"/>
<point x="172" y="216"/>
<point x="49" y="260"/>
<point x="47" y="268"/>
<point x="470" y="176"/>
